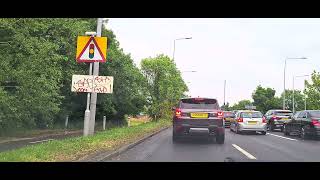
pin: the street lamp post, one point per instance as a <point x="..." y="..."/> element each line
<point x="189" y="71"/>
<point x="224" y="93"/>
<point x="305" y="99"/>
<point x="284" y="80"/>
<point x="174" y="44"/>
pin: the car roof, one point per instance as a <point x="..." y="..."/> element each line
<point x="284" y="110"/>
<point x="198" y="97"/>
<point x="248" y="111"/>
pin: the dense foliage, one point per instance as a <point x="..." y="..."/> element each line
<point x="165" y="84"/>
<point x="37" y="61"/>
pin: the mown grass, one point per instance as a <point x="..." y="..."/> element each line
<point x="76" y="148"/>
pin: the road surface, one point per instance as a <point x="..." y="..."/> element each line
<point x="239" y="148"/>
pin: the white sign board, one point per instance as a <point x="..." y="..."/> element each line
<point x="96" y="84"/>
<point x="250" y="107"/>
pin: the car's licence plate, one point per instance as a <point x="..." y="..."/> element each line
<point x="285" y="119"/>
<point x="252" y="122"/>
<point x="228" y="119"/>
<point x="199" y="115"/>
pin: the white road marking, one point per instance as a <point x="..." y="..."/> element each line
<point x="41" y="141"/>
<point x="282" y="137"/>
<point x="244" y="152"/>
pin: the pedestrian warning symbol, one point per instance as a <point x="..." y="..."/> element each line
<point x="91" y="49"/>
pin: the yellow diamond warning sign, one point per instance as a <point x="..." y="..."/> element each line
<point x="91" y="49"/>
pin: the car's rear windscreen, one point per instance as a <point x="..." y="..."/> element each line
<point x="228" y="114"/>
<point x="199" y="103"/>
<point x="283" y="113"/>
<point x="315" y="114"/>
<point x="251" y="115"/>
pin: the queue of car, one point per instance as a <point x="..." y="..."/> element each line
<point x="204" y="117"/>
<point x="305" y="124"/>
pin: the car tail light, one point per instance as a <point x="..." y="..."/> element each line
<point x="264" y="120"/>
<point x="240" y="119"/>
<point x="315" y="122"/>
<point x="220" y="114"/>
<point x="178" y="112"/>
<point x="275" y="118"/>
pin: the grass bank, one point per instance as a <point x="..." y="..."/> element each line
<point x="76" y="148"/>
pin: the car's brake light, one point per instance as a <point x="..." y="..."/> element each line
<point x="220" y="114"/>
<point x="264" y="120"/>
<point x="178" y="112"/>
<point x="275" y="118"/>
<point x="315" y="122"/>
<point x="240" y="119"/>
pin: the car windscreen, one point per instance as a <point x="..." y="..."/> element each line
<point x="199" y="103"/>
<point x="229" y="114"/>
<point x="315" y="114"/>
<point x="283" y="113"/>
<point x="251" y="115"/>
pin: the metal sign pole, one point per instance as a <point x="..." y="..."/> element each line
<point x="94" y="94"/>
<point x="87" y="112"/>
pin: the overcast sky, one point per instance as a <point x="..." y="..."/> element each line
<point x="244" y="52"/>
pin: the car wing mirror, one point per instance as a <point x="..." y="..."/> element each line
<point x="173" y="108"/>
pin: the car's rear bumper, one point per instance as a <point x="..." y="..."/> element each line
<point x="279" y="124"/>
<point x="192" y="130"/>
<point x="243" y="127"/>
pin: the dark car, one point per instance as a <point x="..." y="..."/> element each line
<point x="276" y="118"/>
<point x="198" y="117"/>
<point x="304" y="123"/>
<point x="228" y="117"/>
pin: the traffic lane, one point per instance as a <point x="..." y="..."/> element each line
<point x="161" y="148"/>
<point x="7" y="146"/>
<point x="295" y="137"/>
<point x="276" y="147"/>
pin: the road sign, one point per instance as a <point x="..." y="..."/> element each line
<point x="91" y="49"/>
<point x="250" y="107"/>
<point x="92" y="84"/>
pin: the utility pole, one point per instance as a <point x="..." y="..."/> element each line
<point x="293" y="94"/>
<point x="305" y="97"/>
<point x="284" y="85"/>
<point x="305" y="100"/>
<point x="284" y="79"/>
<point x="94" y="95"/>
<point x="224" y="94"/>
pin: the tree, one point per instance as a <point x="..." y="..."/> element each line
<point x="165" y="84"/>
<point x="33" y="61"/>
<point x="312" y="91"/>
<point x="226" y="107"/>
<point x="37" y="65"/>
<point x="264" y="99"/>
<point x="298" y="100"/>
<point x="240" y="105"/>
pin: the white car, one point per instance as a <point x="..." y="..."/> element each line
<point x="249" y="120"/>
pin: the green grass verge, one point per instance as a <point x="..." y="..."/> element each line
<point x="136" y="123"/>
<point x="75" y="148"/>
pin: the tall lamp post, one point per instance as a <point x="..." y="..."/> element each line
<point x="174" y="44"/>
<point x="293" y="92"/>
<point x="284" y="80"/>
